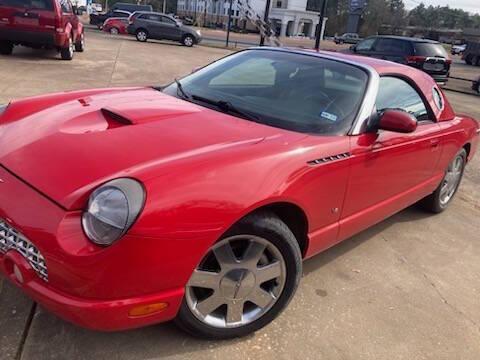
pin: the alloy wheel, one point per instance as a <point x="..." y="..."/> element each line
<point x="114" y="31"/>
<point x="451" y="180"/>
<point x="188" y="41"/>
<point x="142" y="36"/>
<point x="71" y="46"/>
<point x="238" y="281"/>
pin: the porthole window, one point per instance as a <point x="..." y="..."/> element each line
<point x="438" y="98"/>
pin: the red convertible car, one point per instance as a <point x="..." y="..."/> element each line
<point x="198" y="201"/>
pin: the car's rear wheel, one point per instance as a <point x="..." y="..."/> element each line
<point x="114" y="31"/>
<point x="188" y="40"/>
<point x="67" y="52"/>
<point x="244" y="281"/>
<point x="80" y="44"/>
<point x="443" y="195"/>
<point x="141" y="35"/>
<point x="6" y="47"/>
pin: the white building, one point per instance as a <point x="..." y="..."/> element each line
<point x="288" y="17"/>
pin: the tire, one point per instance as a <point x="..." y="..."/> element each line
<point x="188" y="40"/>
<point x="436" y="202"/>
<point x="476" y="61"/>
<point x="141" y="35"/>
<point x="67" y="52"/>
<point x="80" y="44"/>
<point x="114" y="31"/>
<point x="468" y="59"/>
<point x="274" y="237"/>
<point x="6" y="48"/>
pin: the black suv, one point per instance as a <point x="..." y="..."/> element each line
<point x="427" y="55"/>
<point x="150" y="25"/>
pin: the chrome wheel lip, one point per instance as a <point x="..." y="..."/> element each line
<point x="451" y="180"/>
<point x="247" y="291"/>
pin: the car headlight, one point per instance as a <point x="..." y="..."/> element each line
<point x="112" y="209"/>
<point x="198" y="32"/>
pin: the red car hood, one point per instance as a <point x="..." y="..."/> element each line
<point x="65" y="145"/>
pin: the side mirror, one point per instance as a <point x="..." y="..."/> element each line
<point x="397" y="121"/>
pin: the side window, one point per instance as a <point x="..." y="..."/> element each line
<point x="167" y="20"/>
<point x="66" y="7"/>
<point x="258" y="72"/>
<point x="365" y="45"/>
<point x="119" y="14"/>
<point x="392" y="46"/>
<point x="395" y="93"/>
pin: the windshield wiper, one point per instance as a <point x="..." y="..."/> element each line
<point x="181" y="90"/>
<point x="227" y="106"/>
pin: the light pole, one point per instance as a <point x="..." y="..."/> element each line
<point x="229" y="21"/>
<point x="265" y="19"/>
<point x="320" y="25"/>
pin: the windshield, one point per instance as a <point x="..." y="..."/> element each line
<point x="288" y="90"/>
<point x="28" y="4"/>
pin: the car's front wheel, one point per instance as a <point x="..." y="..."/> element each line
<point x="67" y="52"/>
<point x="141" y="35"/>
<point x="188" y="40"/>
<point x="244" y="281"/>
<point x="443" y="195"/>
<point x="114" y="31"/>
<point x="80" y="44"/>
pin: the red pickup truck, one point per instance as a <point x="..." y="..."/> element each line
<point x="50" y="24"/>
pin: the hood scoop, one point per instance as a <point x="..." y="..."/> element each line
<point x="114" y="119"/>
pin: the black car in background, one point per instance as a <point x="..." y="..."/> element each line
<point x="158" y="26"/>
<point x="427" y="55"/>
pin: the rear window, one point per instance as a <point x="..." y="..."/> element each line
<point x="28" y="4"/>
<point x="428" y="49"/>
<point x="394" y="46"/>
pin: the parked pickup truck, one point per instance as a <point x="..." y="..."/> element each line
<point x="347" y="38"/>
<point x="472" y="53"/>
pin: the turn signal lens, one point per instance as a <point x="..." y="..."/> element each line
<point x="149" y="309"/>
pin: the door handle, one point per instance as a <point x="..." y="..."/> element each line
<point x="434" y="143"/>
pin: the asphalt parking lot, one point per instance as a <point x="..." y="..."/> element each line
<point x="407" y="288"/>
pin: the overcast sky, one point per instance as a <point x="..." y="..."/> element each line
<point x="467" y="5"/>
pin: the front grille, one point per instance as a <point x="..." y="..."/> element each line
<point x="12" y="239"/>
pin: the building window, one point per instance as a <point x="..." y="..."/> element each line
<point x="279" y="3"/>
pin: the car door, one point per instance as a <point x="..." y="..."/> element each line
<point x="390" y="49"/>
<point x="153" y="24"/>
<point x="389" y="170"/>
<point x="171" y="29"/>
<point x="365" y="47"/>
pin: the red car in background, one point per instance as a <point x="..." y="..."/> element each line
<point x="227" y="180"/>
<point x="49" y="24"/>
<point x="115" y="26"/>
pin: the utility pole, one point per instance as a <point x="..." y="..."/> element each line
<point x="164" y="6"/>
<point x="265" y="18"/>
<point x="229" y="22"/>
<point x="204" y="12"/>
<point x="320" y="25"/>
